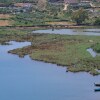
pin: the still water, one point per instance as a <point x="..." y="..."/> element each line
<point x="25" y="79"/>
<point x="92" y="52"/>
<point x="91" y="32"/>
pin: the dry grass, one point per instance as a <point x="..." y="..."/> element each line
<point x="60" y="23"/>
<point x="6" y="16"/>
<point x="5" y="23"/>
<point x="21" y="4"/>
<point x="4" y="20"/>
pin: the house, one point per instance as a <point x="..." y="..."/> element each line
<point x="65" y="1"/>
<point x="76" y="4"/>
<point x="22" y="7"/>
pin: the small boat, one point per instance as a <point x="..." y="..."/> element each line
<point x="97" y="90"/>
<point x="96" y="84"/>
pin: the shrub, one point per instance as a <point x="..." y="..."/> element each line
<point x="97" y="21"/>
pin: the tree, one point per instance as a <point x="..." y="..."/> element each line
<point x="97" y="21"/>
<point x="80" y="16"/>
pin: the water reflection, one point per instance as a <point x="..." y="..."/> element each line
<point x="25" y="79"/>
<point x="92" y="52"/>
<point x="92" y="32"/>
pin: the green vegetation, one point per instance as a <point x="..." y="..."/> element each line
<point x="79" y="16"/>
<point x="4" y="10"/>
<point x="97" y="21"/>
<point x="12" y="34"/>
<point x="29" y="19"/>
<point x="96" y="47"/>
<point x="43" y="12"/>
<point x="69" y="51"/>
<point x="12" y="1"/>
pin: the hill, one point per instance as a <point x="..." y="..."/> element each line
<point x="10" y="1"/>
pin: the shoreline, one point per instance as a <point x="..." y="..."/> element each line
<point x="38" y="27"/>
<point x="59" y="49"/>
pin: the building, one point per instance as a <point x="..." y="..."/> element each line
<point x="73" y="1"/>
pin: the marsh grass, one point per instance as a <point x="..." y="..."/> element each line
<point x="96" y="47"/>
<point x="65" y="50"/>
<point x="69" y="51"/>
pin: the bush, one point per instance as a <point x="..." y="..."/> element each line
<point x="97" y="21"/>
<point x="79" y="16"/>
<point x="96" y="47"/>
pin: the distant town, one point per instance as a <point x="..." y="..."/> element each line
<point x="52" y="12"/>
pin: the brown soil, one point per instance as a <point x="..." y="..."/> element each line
<point x="60" y="23"/>
<point x="4" y="23"/>
<point x="21" y="4"/>
<point x="4" y="16"/>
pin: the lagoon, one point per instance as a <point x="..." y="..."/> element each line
<point x="25" y="79"/>
<point x="90" y="32"/>
<point x="92" y="52"/>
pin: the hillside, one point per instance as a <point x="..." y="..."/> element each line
<point x="11" y="1"/>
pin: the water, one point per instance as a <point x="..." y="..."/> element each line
<point x="91" y="32"/>
<point x="92" y="52"/>
<point x="25" y="79"/>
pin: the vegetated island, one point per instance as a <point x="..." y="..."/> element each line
<point x="64" y="50"/>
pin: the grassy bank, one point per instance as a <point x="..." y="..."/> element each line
<point x="96" y="47"/>
<point x="69" y="51"/>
